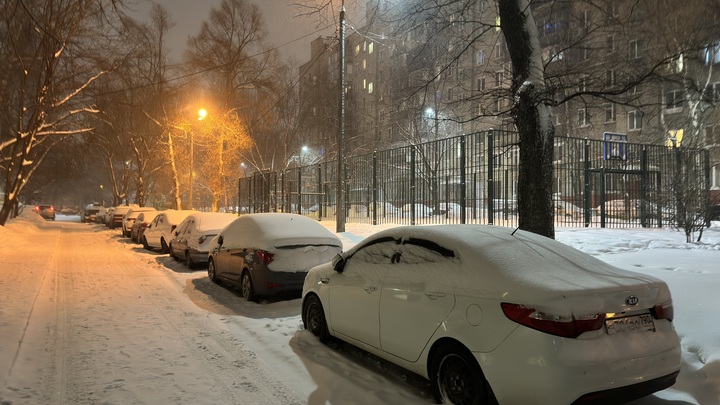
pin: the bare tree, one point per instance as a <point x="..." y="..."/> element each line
<point x="239" y="87"/>
<point x="48" y="60"/>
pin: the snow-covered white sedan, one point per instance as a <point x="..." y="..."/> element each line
<point x="495" y="315"/>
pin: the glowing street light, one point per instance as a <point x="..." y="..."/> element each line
<point x="202" y="113"/>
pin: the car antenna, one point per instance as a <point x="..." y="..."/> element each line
<point x="516" y="229"/>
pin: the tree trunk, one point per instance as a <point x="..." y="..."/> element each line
<point x="532" y="118"/>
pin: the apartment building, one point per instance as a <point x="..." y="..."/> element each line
<point x="645" y="71"/>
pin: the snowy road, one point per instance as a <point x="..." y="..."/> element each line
<point x="84" y="320"/>
<point x="86" y="317"/>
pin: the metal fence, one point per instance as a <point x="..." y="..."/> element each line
<point x="473" y="179"/>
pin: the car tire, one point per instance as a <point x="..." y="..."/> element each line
<point x="145" y="244"/>
<point x="212" y="272"/>
<point x="189" y="262"/>
<point x="172" y="253"/>
<point x="247" y="290"/>
<point x="457" y="379"/>
<point x="163" y="246"/>
<point x="314" y="318"/>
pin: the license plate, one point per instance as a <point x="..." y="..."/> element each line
<point x="633" y="323"/>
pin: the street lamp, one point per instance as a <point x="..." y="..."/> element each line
<point x="340" y="186"/>
<point x="202" y="113"/>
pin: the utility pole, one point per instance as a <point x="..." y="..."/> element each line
<point x="340" y="191"/>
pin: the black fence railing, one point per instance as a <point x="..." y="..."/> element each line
<point x="473" y="179"/>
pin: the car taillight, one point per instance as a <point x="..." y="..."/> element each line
<point x="266" y="257"/>
<point x="663" y="311"/>
<point x="52" y="208"/>
<point x="569" y="327"/>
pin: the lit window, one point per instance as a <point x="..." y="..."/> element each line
<point x="370" y="48"/>
<point x="370" y="87"/>
<point x="712" y="54"/>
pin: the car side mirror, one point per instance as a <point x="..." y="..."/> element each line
<point x="220" y="240"/>
<point x="338" y="263"/>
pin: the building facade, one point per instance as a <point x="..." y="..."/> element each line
<point x="644" y="72"/>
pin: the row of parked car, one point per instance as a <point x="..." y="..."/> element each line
<point x="264" y="255"/>
<point x="469" y="307"/>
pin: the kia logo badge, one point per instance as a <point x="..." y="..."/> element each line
<point x="632" y="300"/>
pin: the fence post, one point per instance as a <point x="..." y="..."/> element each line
<point x="412" y="186"/>
<point x="658" y="187"/>
<point x="491" y="186"/>
<point x="602" y="197"/>
<point x="463" y="192"/>
<point x="374" y="188"/>
<point x="282" y="191"/>
<point x="239" y="195"/>
<point x="299" y="190"/>
<point x="319" y="191"/>
<point x="643" y="187"/>
<point x="586" y="173"/>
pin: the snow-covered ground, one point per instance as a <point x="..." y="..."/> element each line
<point x="166" y="335"/>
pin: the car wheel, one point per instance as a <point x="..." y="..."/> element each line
<point x="246" y="287"/>
<point x="314" y="318"/>
<point x="212" y="273"/>
<point x="145" y="244"/>
<point x="172" y="252"/>
<point x="163" y="246"/>
<point x="188" y="261"/>
<point x="457" y="378"/>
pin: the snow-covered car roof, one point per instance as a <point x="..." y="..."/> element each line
<point x="517" y="265"/>
<point x="134" y="212"/>
<point x="207" y="221"/>
<point x="269" y="230"/>
<point x="147" y="216"/>
<point x="123" y="209"/>
<point x="174" y="217"/>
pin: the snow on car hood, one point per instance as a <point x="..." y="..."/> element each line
<point x="526" y="268"/>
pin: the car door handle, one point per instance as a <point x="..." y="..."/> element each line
<point x="370" y="289"/>
<point x="435" y="295"/>
<point x="325" y="280"/>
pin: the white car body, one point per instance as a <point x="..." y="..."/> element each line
<point x="403" y="301"/>
<point x="158" y="234"/>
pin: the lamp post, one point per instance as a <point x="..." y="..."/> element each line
<point x="340" y="186"/>
<point x="202" y="113"/>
